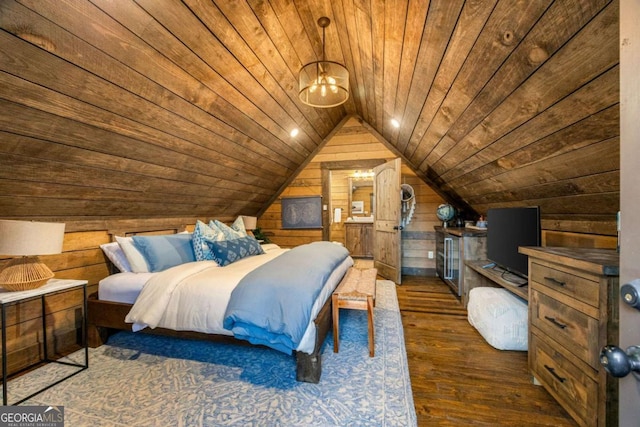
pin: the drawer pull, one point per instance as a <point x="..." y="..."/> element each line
<point x="553" y="372"/>
<point x="554" y="281"/>
<point x="555" y="322"/>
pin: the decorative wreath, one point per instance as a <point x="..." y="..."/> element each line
<point x="408" y="197"/>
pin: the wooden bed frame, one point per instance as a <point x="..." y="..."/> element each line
<point x="105" y="317"/>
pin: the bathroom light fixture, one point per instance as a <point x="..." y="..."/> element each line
<point x="323" y="84"/>
<point x="395" y="123"/>
<point x="294" y="132"/>
<point x="363" y="174"/>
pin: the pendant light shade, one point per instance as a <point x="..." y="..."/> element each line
<point x="323" y="84"/>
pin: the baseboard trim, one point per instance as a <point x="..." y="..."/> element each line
<point x="417" y="271"/>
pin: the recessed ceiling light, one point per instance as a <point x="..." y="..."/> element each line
<point x="294" y="132"/>
<point x="395" y="123"/>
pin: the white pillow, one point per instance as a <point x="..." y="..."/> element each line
<point x="238" y="225"/>
<point x="116" y="255"/>
<point x="135" y="258"/>
<point x="500" y="317"/>
<point x="230" y="233"/>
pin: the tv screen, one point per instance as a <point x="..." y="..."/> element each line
<point x="507" y="229"/>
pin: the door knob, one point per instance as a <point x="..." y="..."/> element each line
<point x="620" y="363"/>
<point x="630" y="293"/>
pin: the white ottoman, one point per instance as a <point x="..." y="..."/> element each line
<point x="500" y="317"/>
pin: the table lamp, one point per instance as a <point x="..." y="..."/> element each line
<point x="27" y="240"/>
<point x="250" y="222"/>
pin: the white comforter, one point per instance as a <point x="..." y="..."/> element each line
<point x="194" y="296"/>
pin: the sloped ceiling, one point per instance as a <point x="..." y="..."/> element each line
<point x="121" y="108"/>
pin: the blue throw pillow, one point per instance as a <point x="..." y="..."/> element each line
<point x="202" y="236"/>
<point x="228" y="251"/>
<point x="162" y="252"/>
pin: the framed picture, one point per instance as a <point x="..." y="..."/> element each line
<point x="302" y="212"/>
<point x="357" y="207"/>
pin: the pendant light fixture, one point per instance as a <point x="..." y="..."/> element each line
<point x="323" y="84"/>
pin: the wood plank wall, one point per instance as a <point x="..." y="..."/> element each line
<point x="353" y="142"/>
<point x="82" y="257"/>
<point x="502" y="103"/>
<point x="339" y="200"/>
<point x="94" y="136"/>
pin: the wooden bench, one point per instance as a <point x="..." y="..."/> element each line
<point x="357" y="291"/>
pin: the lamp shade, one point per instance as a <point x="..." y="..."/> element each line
<point x="323" y="84"/>
<point x="250" y="222"/>
<point x="26" y="238"/>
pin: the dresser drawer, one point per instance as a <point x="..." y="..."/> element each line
<point x="581" y="287"/>
<point x="565" y="380"/>
<point x="571" y="328"/>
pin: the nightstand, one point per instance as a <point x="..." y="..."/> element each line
<point x="53" y="286"/>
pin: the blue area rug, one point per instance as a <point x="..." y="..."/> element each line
<point x="145" y="380"/>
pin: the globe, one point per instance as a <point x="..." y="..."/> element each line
<point x="445" y="212"/>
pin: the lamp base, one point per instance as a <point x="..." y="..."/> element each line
<point x="21" y="274"/>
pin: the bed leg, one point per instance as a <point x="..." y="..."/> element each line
<point x="96" y="335"/>
<point x="309" y="367"/>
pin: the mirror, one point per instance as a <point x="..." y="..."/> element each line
<point x="361" y="197"/>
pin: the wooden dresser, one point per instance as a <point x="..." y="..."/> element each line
<point x="573" y="313"/>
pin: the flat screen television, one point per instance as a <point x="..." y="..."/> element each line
<point x="507" y="229"/>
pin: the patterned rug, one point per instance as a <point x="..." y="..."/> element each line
<point x="145" y="380"/>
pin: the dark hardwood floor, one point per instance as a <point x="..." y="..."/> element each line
<point x="457" y="378"/>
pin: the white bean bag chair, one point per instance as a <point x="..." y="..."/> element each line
<point x="500" y="317"/>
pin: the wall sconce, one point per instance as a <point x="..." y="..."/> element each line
<point x="27" y="240"/>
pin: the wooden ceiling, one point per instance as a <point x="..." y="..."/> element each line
<point x="122" y="108"/>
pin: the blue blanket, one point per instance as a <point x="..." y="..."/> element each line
<point x="272" y="304"/>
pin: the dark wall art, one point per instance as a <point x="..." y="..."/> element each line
<point x="302" y="212"/>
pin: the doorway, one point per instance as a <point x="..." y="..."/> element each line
<point x="340" y="168"/>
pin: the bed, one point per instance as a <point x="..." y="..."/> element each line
<point x="204" y="300"/>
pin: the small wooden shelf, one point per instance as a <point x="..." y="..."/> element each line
<point x="495" y="275"/>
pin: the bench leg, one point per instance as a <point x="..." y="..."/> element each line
<point x="370" y="322"/>
<point x="336" y="323"/>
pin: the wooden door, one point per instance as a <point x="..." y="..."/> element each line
<point x="629" y="392"/>
<point x="387" y="233"/>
